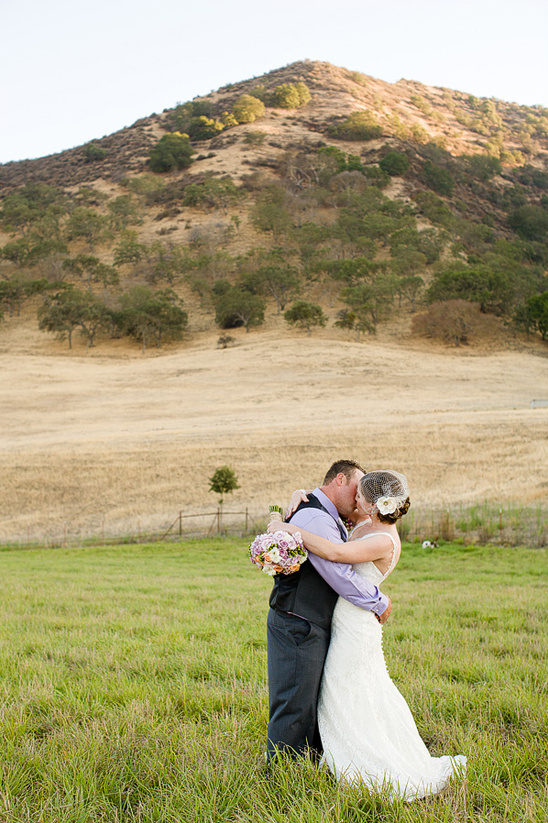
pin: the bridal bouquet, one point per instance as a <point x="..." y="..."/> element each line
<point x="278" y="552"/>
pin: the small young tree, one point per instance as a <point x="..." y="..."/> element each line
<point x="223" y="482"/>
<point x="305" y="315"/>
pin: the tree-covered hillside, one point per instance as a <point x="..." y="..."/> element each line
<point x="316" y="192"/>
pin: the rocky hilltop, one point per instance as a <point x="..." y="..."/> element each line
<point x="454" y="119"/>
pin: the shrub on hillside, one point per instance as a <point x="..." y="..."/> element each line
<point x="531" y="176"/>
<point x="247" y="109"/>
<point x="434" y="209"/>
<point x="178" y="120"/>
<point x="450" y="320"/>
<point x="491" y="288"/>
<point x="204" y="128"/>
<point x="530" y="222"/>
<point x="211" y="194"/>
<point x="123" y="212"/>
<point x="172" y="151"/>
<point x="438" y="178"/>
<point x="340" y="160"/>
<point x="394" y="163"/>
<point x="87" y="225"/>
<point x="30" y="204"/>
<point x="145" y="185"/>
<point x="288" y="96"/>
<point x="376" y="176"/>
<point x="361" y="125"/>
<point x="255" y="138"/>
<point x="92" y="152"/>
<point x="483" y="167"/>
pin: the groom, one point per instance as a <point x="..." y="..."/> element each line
<point x="299" y="618"/>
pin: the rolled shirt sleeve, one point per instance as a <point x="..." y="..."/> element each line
<point x="340" y="576"/>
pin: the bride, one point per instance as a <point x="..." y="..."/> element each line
<point x="367" y="730"/>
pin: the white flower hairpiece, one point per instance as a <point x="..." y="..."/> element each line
<point x="387" y="505"/>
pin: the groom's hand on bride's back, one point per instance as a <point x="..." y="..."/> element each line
<point x="382" y="618"/>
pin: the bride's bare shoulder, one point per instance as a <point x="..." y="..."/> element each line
<point x="359" y="531"/>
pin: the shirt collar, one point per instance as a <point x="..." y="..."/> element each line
<point x="326" y="502"/>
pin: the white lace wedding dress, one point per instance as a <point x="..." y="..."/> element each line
<point x="367" y="730"/>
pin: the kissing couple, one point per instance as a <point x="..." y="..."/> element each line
<point x="330" y="694"/>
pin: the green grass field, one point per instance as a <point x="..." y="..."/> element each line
<point x="133" y="686"/>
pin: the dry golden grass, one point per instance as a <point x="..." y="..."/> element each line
<point x="115" y="439"/>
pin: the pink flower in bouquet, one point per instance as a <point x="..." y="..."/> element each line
<point x="278" y="553"/>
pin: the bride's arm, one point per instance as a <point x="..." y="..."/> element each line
<point x="299" y="496"/>
<point x="353" y="551"/>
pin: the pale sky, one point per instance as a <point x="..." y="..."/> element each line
<point x="75" y="70"/>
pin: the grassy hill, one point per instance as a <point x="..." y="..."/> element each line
<point x="361" y="196"/>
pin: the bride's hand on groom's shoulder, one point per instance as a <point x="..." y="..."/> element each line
<point x="299" y="496"/>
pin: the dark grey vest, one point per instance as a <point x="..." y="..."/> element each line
<point x="305" y="592"/>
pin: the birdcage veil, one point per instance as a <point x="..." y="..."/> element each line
<point x="386" y="488"/>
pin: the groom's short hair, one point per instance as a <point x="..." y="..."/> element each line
<point x="346" y="467"/>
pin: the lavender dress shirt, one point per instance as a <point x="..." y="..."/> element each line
<point x="340" y="576"/>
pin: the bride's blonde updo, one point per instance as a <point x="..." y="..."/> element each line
<point x="389" y="491"/>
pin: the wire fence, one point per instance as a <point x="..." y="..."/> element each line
<point x="220" y="522"/>
<point x="480" y="524"/>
